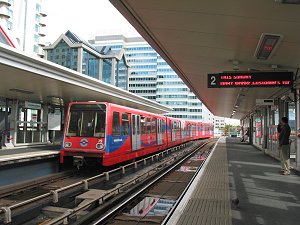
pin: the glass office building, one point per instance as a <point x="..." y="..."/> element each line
<point x="151" y="77"/>
<point x="101" y="63"/>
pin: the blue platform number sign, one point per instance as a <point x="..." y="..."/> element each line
<point x="84" y="142"/>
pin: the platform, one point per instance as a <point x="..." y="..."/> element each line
<point x="24" y="154"/>
<point x="236" y="169"/>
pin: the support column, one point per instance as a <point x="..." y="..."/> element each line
<point x="79" y="60"/>
<point x="100" y="69"/>
<point x="251" y="130"/>
<point x="44" y="119"/>
<point x="265" y="127"/>
<point x="297" y="106"/>
<point x="10" y="141"/>
<point x="113" y="70"/>
<point x="6" y="123"/>
<point x="281" y="110"/>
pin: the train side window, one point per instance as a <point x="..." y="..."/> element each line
<point x="143" y="124"/>
<point x="149" y="125"/>
<point x="138" y="131"/>
<point x="163" y="126"/>
<point x="116" y="124"/>
<point x="153" y="126"/>
<point x="100" y="125"/>
<point x="74" y="121"/>
<point x="125" y="124"/>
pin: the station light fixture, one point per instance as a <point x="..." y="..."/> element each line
<point x="267" y="45"/>
<point x="21" y="91"/>
<point x="288" y="1"/>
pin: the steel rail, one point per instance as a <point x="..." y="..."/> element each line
<point x="117" y="207"/>
<point x="7" y="210"/>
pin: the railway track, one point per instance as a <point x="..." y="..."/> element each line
<point x="72" y="203"/>
<point x="151" y="203"/>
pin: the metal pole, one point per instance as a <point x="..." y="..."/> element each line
<point x="297" y="107"/>
<point x="6" y="122"/>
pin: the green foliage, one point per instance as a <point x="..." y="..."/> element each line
<point x="230" y="129"/>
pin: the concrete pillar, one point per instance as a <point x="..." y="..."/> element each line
<point x="45" y="133"/>
<point x="265" y="126"/>
<point x="79" y="60"/>
<point x="251" y="124"/>
<point x="297" y="106"/>
<point x="117" y="73"/>
<point x="14" y="117"/>
<point x="281" y="110"/>
<point x="100" y="69"/>
<point x="6" y="121"/>
<point x="113" y="70"/>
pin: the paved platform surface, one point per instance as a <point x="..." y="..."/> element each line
<point x="266" y="197"/>
<point x="19" y="150"/>
<point x="239" y="170"/>
<point x="17" y="155"/>
<point x="207" y="202"/>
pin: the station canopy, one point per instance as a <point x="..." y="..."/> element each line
<point x="201" y="37"/>
<point x="33" y="79"/>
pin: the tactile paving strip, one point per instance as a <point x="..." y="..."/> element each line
<point x="210" y="203"/>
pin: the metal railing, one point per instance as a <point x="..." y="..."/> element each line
<point x="7" y="211"/>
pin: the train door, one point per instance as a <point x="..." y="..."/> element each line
<point x="173" y="124"/>
<point x="197" y="130"/>
<point x="136" y="133"/>
<point x="191" y="130"/>
<point x="159" y="132"/>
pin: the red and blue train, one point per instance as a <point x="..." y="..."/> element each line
<point x="112" y="134"/>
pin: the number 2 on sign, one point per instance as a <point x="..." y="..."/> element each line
<point x="213" y="80"/>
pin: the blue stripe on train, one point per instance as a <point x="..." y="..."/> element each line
<point x="113" y="143"/>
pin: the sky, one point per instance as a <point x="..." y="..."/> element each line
<point x="85" y="18"/>
<point x="232" y="121"/>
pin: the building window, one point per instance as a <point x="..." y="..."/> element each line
<point x="107" y="70"/>
<point x="10" y="13"/>
<point x="36" y="38"/>
<point x="9" y="25"/>
<point x="36" y="48"/>
<point x="37" y="28"/>
<point x="57" y="50"/>
<point x="37" y="18"/>
<point x="38" y="7"/>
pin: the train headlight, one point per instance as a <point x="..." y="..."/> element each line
<point x="68" y="144"/>
<point x="100" y="146"/>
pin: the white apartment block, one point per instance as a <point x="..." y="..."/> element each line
<point x="24" y="22"/>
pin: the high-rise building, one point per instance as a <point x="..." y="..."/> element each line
<point x="102" y="63"/>
<point x="142" y="59"/>
<point x="24" y="22"/>
<point x="218" y="122"/>
<point x="151" y="77"/>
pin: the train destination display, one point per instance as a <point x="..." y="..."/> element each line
<point x="250" y="79"/>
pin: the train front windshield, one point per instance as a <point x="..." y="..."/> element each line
<point x="87" y="120"/>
